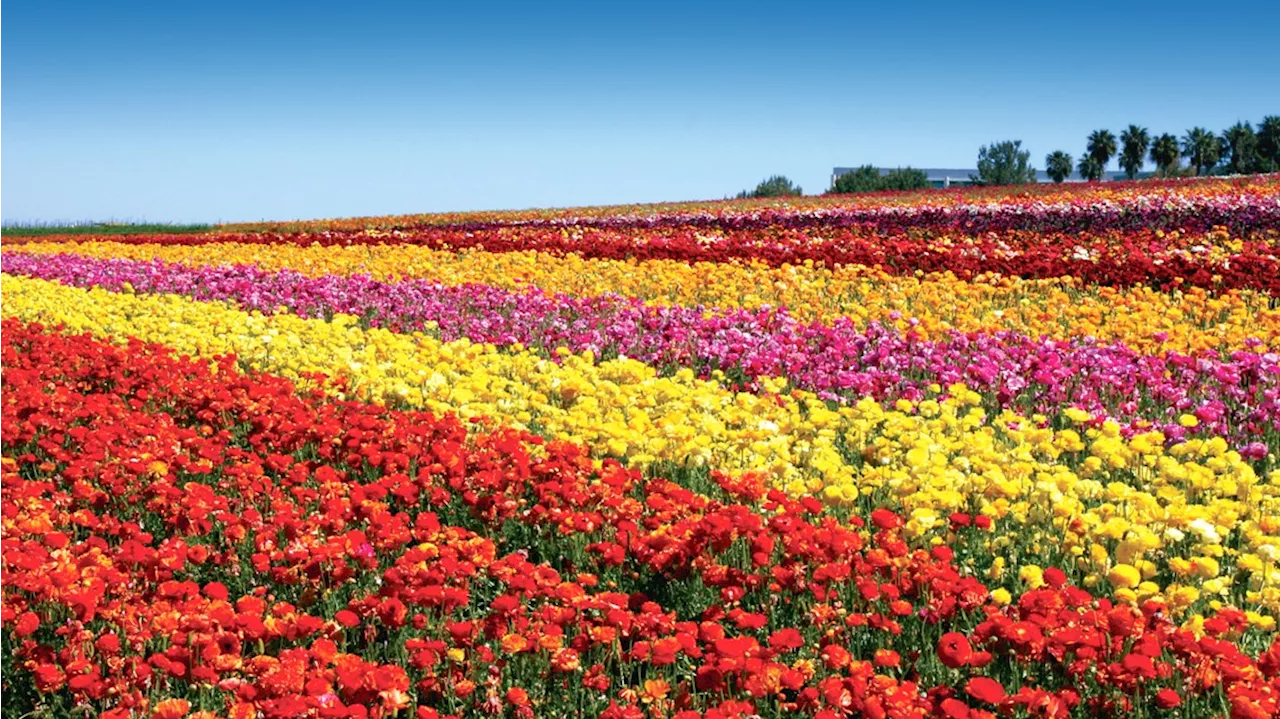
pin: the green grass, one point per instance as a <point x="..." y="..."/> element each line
<point x="99" y="228"/>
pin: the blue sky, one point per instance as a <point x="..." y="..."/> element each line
<point x="231" y="111"/>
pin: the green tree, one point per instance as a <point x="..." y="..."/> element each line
<point x="1201" y="149"/>
<point x="1269" y="144"/>
<point x="1101" y="147"/>
<point x="1240" y="149"/>
<point x="1134" y="143"/>
<point x="1166" y="155"/>
<point x="861" y="179"/>
<point x="869" y="179"/>
<point x="1004" y="163"/>
<point x="776" y="186"/>
<point x="904" y="178"/>
<point x="1058" y="165"/>
<point x="1090" y="169"/>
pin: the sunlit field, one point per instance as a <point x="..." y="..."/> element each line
<point x="965" y="453"/>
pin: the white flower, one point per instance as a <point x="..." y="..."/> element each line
<point x="1206" y="531"/>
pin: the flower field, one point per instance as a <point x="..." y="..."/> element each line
<point x="963" y="454"/>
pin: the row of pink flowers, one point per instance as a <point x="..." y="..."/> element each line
<point x="1236" y="395"/>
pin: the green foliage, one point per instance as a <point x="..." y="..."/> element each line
<point x="1269" y="144"/>
<point x="862" y="179"/>
<point x="1004" y="163"/>
<point x="1101" y="148"/>
<point x="1134" y="144"/>
<point x="99" y="228"/>
<point x="905" y="178"/>
<point x="775" y="186"/>
<point x="1090" y="169"/>
<point x="1166" y="155"/>
<point x="868" y="179"/>
<point x="1201" y="148"/>
<point x="1058" y="165"/>
<point x="1240" y="149"/>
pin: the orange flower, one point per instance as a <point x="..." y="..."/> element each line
<point x="887" y="658"/>
<point x="171" y="709"/>
<point x="654" y="690"/>
<point x="514" y="643"/>
<point x="566" y="660"/>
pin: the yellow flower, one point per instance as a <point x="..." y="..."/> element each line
<point x="1130" y="509"/>
<point x="1124" y="576"/>
<point x="1075" y="414"/>
<point x="1206" y="567"/>
<point x="1192" y="319"/>
<point x="1032" y="576"/>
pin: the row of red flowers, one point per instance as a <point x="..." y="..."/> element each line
<point x="179" y="538"/>
<point x="1141" y="257"/>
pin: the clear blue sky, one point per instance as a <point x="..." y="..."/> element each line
<point x="230" y="110"/>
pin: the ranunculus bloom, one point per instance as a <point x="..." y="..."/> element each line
<point x="171" y="709"/>
<point x="1168" y="699"/>
<point x="985" y="689"/>
<point x="954" y="650"/>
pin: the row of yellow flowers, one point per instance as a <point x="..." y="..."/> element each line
<point x="1193" y="522"/>
<point x="1146" y="319"/>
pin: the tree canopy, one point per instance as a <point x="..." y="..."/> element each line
<point x="775" y="186"/>
<point x="1166" y="154"/>
<point x="1058" y="165"/>
<point x="1240" y="149"/>
<point x="869" y="179"/>
<point x="1201" y="148"/>
<point x="1269" y="144"/>
<point x="1004" y="163"/>
<point x="1101" y="147"/>
<point x="1134" y="141"/>
<point x="1090" y="169"/>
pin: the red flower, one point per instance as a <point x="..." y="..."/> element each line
<point x="28" y="623"/>
<point x="49" y="678"/>
<point x="1168" y="699"/>
<point x="1055" y="578"/>
<point x="954" y="650"/>
<point x="954" y="709"/>
<point x="887" y="658"/>
<point x="785" y="640"/>
<point x="985" y="689"/>
<point x="884" y="519"/>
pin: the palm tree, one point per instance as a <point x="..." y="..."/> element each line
<point x="1166" y="154"/>
<point x="1240" y="148"/>
<point x="1058" y="165"/>
<point x="1269" y="143"/>
<point x="1090" y="169"/>
<point x="1201" y="148"/>
<point x="1135" y="141"/>
<point x="1101" y="147"/>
